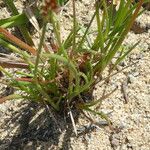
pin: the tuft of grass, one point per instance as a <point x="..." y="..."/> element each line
<point x="60" y="76"/>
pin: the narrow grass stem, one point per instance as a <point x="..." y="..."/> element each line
<point x="74" y="26"/>
<point x="39" y="50"/>
<point x="85" y="33"/>
<point x="57" y="34"/>
<point x="100" y="37"/>
<point x="124" y="33"/>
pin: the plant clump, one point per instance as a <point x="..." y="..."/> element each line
<point x="61" y="75"/>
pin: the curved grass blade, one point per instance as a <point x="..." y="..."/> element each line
<point x="13" y="21"/>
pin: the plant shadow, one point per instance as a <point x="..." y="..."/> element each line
<point x="37" y="129"/>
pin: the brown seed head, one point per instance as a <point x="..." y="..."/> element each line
<point x="49" y="5"/>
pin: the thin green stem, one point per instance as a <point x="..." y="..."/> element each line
<point x="85" y="33"/>
<point x="39" y="51"/>
<point x="124" y="33"/>
<point x="74" y="27"/>
<point x="57" y="34"/>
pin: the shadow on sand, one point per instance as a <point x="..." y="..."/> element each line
<point x="37" y="129"/>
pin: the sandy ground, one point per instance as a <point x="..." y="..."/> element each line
<point x="23" y="125"/>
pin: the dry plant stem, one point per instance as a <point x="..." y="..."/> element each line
<point x="73" y="122"/>
<point x="101" y="115"/>
<point x="10" y="97"/>
<point x="92" y="121"/>
<point x="2" y="100"/>
<point x="15" y="40"/>
<point x="124" y="92"/>
<point x="89" y="118"/>
<point x="7" y="64"/>
<point x="39" y="81"/>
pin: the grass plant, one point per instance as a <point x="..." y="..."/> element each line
<point x="59" y="76"/>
